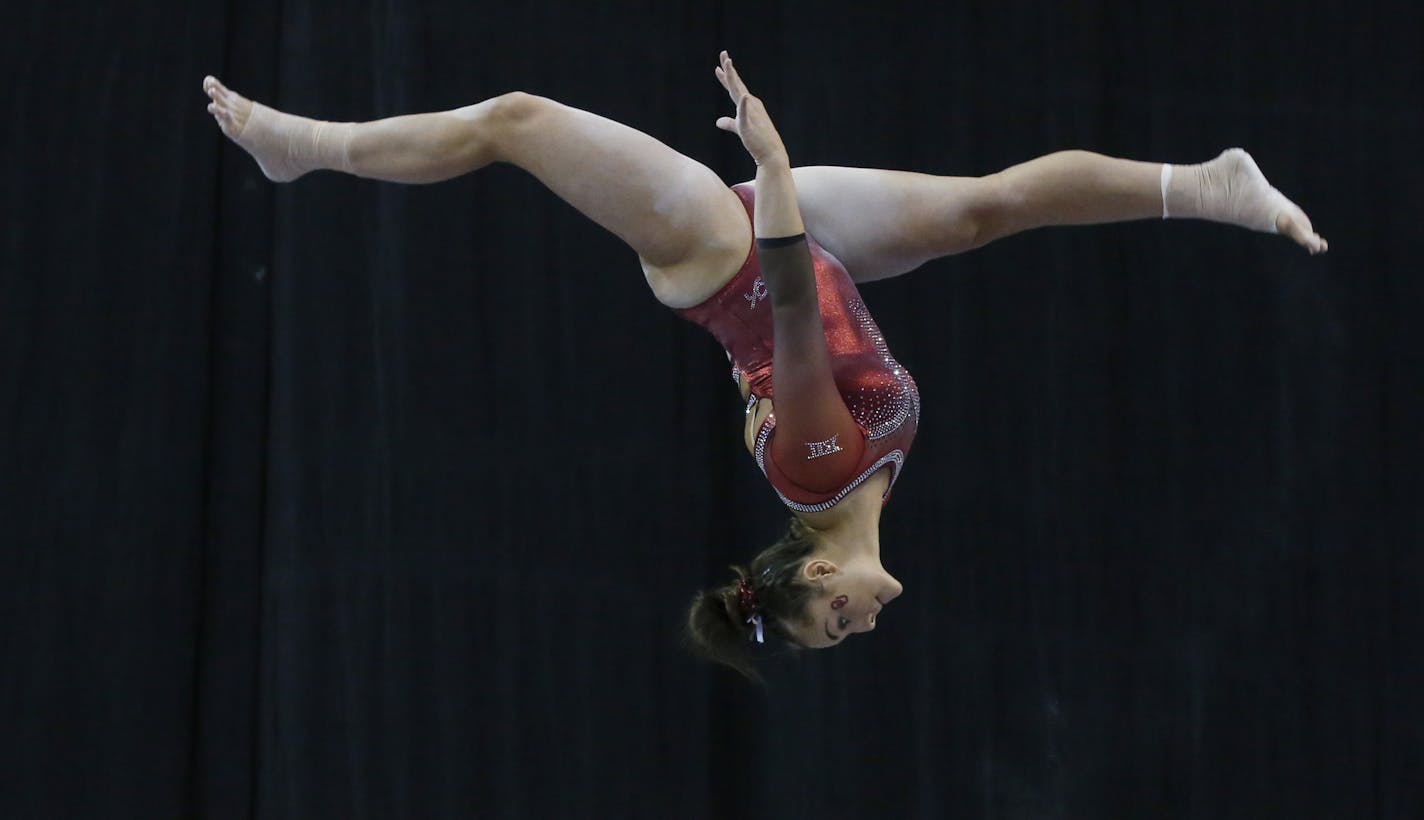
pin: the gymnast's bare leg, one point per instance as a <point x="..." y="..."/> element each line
<point x="687" y="227"/>
<point x="885" y="223"/>
<point x="691" y="232"/>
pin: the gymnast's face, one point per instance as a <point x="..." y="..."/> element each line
<point x="852" y="597"/>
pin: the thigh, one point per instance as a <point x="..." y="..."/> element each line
<point x="885" y="223"/>
<point x="688" y="228"/>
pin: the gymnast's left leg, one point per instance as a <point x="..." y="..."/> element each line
<point x="689" y="230"/>
<point x="885" y="223"/>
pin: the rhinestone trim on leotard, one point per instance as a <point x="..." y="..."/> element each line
<point x="894" y="457"/>
<point x="906" y="402"/>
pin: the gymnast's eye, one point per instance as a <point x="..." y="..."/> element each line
<point x="842" y="622"/>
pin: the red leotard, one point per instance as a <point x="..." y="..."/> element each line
<point x="880" y="394"/>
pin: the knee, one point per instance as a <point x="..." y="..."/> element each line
<point x="515" y="105"/>
<point x="502" y="117"/>
<point x="995" y="210"/>
<point x="514" y="110"/>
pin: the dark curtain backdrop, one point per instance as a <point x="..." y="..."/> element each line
<point x="351" y="500"/>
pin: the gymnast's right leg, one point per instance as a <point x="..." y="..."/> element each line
<point x="687" y="227"/>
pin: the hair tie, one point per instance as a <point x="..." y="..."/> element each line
<point x="747" y="601"/>
<point x="746" y="596"/>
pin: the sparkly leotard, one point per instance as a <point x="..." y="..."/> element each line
<point x="879" y="393"/>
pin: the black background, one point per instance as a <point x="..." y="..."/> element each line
<point x="344" y="499"/>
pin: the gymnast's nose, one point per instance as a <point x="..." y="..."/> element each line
<point x="890" y="592"/>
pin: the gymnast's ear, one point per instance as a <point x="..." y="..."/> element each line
<point x="819" y="569"/>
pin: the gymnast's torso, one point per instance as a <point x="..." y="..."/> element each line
<point x="879" y="393"/>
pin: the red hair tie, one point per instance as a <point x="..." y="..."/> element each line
<point x="746" y="596"/>
<point x="747" y="600"/>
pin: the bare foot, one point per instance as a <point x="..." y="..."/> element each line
<point x="229" y="108"/>
<point x="1293" y="222"/>
<point x="1234" y="190"/>
<point x="284" y="146"/>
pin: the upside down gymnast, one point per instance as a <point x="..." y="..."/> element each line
<point x="770" y="268"/>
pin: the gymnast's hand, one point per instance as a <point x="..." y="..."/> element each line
<point x="752" y="123"/>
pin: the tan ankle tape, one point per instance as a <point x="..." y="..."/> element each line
<point x="332" y="150"/>
<point x="1166" y="180"/>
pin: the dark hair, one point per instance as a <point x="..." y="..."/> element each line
<point x="717" y="627"/>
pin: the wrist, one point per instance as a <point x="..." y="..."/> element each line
<point x="778" y="161"/>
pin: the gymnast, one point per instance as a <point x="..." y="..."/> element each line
<point x="770" y="268"/>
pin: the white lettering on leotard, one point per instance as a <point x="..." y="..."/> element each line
<point x="757" y="294"/>
<point x="823" y="448"/>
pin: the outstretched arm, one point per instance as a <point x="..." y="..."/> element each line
<point x="818" y="444"/>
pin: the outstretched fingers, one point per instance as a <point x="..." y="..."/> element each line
<point x="751" y="123"/>
<point x="736" y="89"/>
<point x="727" y="75"/>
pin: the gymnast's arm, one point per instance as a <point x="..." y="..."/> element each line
<point x="818" y="444"/>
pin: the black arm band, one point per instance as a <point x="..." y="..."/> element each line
<point x="778" y="241"/>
